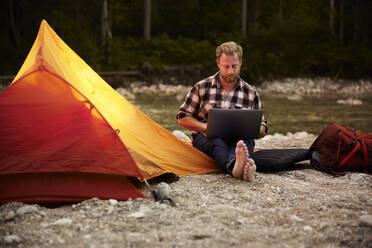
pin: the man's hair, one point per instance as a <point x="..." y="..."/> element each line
<point x="229" y="48"/>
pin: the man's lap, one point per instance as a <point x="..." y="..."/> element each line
<point x="201" y="142"/>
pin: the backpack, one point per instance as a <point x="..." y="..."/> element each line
<point x="338" y="149"/>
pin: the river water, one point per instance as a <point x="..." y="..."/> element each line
<point x="311" y="114"/>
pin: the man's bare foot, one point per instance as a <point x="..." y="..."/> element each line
<point x="241" y="155"/>
<point x="249" y="170"/>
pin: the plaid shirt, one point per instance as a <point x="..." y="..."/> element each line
<point x="209" y="93"/>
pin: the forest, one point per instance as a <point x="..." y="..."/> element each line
<point x="280" y="38"/>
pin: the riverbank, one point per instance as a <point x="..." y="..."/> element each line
<point x="300" y="207"/>
<point x="293" y="89"/>
<point x="168" y="85"/>
<point x="285" y="112"/>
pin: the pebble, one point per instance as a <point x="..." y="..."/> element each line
<point x="275" y="189"/>
<point x="43" y="224"/>
<point x="296" y="218"/>
<point x="350" y="101"/>
<point x="308" y="228"/>
<point x="113" y="202"/>
<point x="26" y="209"/>
<point x="365" y="220"/>
<point x="137" y="214"/>
<point x="63" y="222"/>
<point x="144" y="208"/>
<point x="110" y="209"/>
<point x="60" y="240"/>
<point x="13" y="238"/>
<point x="161" y="206"/>
<point x="10" y="216"/>
<point x="87" y="236"/>
<point x="229" y="197"/>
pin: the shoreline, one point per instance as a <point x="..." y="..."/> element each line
<point x="317" y="86"/>
<point x="290" y="88"/>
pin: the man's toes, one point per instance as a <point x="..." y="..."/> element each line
<point x="246" y="172"/>
<point x="252" y="164"/>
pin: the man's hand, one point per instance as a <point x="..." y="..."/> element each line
<point x="262" y="131"/>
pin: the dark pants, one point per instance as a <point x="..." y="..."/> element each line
<point x="222" y="151"/>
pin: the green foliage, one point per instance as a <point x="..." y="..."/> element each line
<point x="298" y="44"/>
<point x="162" y="50"/>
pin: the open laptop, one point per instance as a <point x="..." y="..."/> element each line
<point x="234" y="123"/>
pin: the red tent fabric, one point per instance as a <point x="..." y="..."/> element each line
<point x="49" y="129"/>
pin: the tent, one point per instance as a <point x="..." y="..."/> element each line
<point x="67" y="136"/>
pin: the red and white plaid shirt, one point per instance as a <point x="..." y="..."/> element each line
<point x="209" y="93"/>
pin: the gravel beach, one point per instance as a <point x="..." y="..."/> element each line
<point x="300" y="207"/>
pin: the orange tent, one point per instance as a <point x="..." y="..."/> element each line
<point x="66" y="135"/>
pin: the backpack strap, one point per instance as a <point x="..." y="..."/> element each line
<point x="365" y="155"/>
<point x="350" y="154"/>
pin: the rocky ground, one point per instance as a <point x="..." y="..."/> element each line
<point x="300" y="207"/>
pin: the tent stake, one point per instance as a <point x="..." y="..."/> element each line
<point x="153" y="192"/>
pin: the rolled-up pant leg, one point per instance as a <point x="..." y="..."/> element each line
<point x="216" y="148"/>
<point x="250" y="146"/>
<point x="222" y="151"/>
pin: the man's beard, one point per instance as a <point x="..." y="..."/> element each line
<point x="231" y="79"/>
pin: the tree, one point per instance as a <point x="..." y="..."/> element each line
<point x="244" y="18"/>
<point x="281" y="6"/>
<point x="106" y="34"/>
<point x="356" y="20"/>
<point x="341" y="21"/>
<point x="253" y="16"/>
<point x="147" y="22"/>
<point x="331" y="17"/>
<point x="12" y="24"/>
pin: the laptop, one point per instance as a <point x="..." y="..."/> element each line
<point x="234" y="123"/>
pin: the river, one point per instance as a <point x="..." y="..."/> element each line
<point x="311" y="114"/>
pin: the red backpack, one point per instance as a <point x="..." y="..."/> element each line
<point x="338" y="149"/>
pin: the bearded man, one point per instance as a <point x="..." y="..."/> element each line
<point x="225" y="89"/>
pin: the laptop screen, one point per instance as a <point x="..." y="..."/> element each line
<point x="234" y="123"/>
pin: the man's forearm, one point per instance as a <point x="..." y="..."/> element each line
<point x="192" y="124"/>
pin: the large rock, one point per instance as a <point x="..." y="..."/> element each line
<point x="26" y="209"/>
<point x="365" y="220"/>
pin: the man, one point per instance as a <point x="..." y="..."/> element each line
<point x="225" y="89"/>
